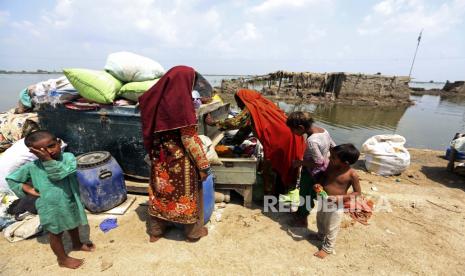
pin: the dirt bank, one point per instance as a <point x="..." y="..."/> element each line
<point x="422" y="235"/>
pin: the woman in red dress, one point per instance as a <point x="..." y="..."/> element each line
<point x="179" y="164"/>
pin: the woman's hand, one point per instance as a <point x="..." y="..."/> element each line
<point x="42" y="154"/>
<point x="203" y="176"/>
<point x="209" y="120"/>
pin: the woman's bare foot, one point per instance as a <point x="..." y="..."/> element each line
<point x="203" y="233"/>
<point x="321" y="254"/>
<point x="88" y="247"/>
<point x="70" y="262"/>
<point x="154" y="238"/>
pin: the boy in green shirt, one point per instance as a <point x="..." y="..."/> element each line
<point x="54" y="181"/>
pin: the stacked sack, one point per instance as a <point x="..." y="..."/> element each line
<point x="386" y="155"/>
<point x="127" y="75"/>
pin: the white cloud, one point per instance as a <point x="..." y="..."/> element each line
<point x="248" y="32"/>
<point x="314" y="34"/>
<point x="62" y="14"/>
<point x="212" y="17"/>
<point x="237" y="36"/>
<point x="26" y="26"/>
<point x="238" y="43"/>
<point x="388" y="7"/>
<point x="180" y="25"/>
<point x="171" y="24"/>
<point x="412" y="16"/>
<point x="278" y="5"/>
<point x="384" y="7"/>
<point x="144" y="23"/>
<point x="4" y="17"/>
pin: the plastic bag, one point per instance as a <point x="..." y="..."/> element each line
<point x="129" y="67"/>
<point x="133" y="90"/>
<point x="458" y="144"/>
<point x="97" y="86"/>
<point x="212" y="156"/>
<point x="386" y="154"/>
<point x="24" y="229"/>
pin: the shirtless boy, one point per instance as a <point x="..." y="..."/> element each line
<point x="336" y="181"/>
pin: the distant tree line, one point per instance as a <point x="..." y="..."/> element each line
<point x="38" y="71"/>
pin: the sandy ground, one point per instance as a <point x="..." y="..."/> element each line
<point x="422" y="235"/>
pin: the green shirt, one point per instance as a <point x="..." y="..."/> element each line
<point x="59" y="205"/>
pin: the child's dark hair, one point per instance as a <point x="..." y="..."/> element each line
<point x="299" y="118"/>
<point x="38" y="135"/>
<point x="347" y="153"/>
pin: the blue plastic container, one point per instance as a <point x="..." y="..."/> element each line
<point x="208" y="198"/>
<point x="460" y="155"/>
<point x="101" y="181"/>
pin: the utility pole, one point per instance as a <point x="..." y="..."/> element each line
<point x="415" y="55"/>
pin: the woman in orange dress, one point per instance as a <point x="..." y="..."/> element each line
<point x="268" y="124"/>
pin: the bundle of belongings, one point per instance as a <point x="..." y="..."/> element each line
<point x="52" y="91"/>
<point x="18" y="217"/>
<point x="458" y="143"/>
<point x="126" y="75"/>
<point x="14" y="126"/>
<point x="249" y="147"/>
<point x="456" y="153"/>
<point x="19" y="122"/>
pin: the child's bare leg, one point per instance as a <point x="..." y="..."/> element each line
<point x="328" y="223"/>
<point x="77" y="244"/>
<point x="64" y="260"/>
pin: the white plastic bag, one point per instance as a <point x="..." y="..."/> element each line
<point x="22" y="230"/>
<point x="129" y="67"/>
<point x="211" y="154"/>
<point x="386" y="154"/>
<point x="458" y="144"/>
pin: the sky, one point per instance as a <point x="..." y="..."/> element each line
<point x="238" y="36"/>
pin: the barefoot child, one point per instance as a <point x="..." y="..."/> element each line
<point x="53" y="179"/>
<point x="315" y="161"/>
<point x="336" y="181"/>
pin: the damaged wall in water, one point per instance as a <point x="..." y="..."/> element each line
<point x="455" y="87"/>
<point x="374" y="86"/>
<point x="335" y="85"/>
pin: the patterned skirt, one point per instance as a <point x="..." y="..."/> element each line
<point x="174" y="185"/>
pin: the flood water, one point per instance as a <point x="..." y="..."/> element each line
<point x="430" y="123"/>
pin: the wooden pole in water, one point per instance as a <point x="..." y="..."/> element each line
<point x="415" y="55"/>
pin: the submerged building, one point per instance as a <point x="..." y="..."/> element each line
<point x="331" y="86"/>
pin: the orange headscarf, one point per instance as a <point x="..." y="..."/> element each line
<point x="280" y="145"/>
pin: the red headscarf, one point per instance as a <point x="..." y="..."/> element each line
<point x="168" y="104"/>
<point x="280" y="145"/>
